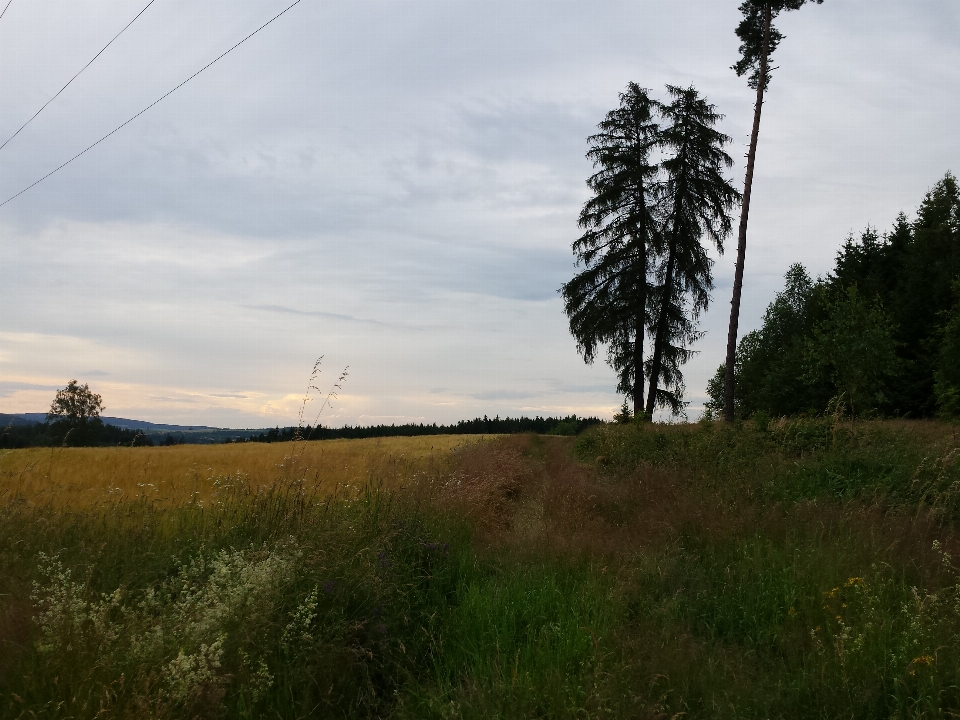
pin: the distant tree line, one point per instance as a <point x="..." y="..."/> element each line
<point x="880" y="334"/>
<point x="92" y="432"/>
<point x="570" y="425"/>
<point x="57" y="434"/>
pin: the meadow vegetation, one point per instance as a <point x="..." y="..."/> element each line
<point x="82" y="477"/>
<point x="771" y="569"/>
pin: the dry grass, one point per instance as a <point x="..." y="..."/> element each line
<point x="83" y="477"/>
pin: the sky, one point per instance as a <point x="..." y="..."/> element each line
<point x="394" y="185"/>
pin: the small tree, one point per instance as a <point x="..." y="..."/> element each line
<point x="75" y="405"/>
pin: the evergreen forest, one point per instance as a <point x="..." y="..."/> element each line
<point x="878" y="335"/>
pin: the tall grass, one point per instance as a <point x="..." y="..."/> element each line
<point x="793" y="460"/>
<point x="797" y="569"/>
<point x="276" y="601"/>
<point x="82" y="477"/>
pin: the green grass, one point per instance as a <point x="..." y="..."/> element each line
<point x="802" y="569"/>
<point x="796" y="460"/>
<point x="269" y="604"/>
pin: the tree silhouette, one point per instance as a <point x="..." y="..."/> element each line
<point x="606" y="302"/>
<point x="75" y="404"/>
<point x="759" y="39"/>
<point x="697" y="199"/>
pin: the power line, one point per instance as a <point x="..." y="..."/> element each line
<point x="75" y="76"/>
<point x="119" y="127"/>
<point x="5" y="9"/>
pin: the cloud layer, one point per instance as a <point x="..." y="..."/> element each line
<point x="395" y="184"/>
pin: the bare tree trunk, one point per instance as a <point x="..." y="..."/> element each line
<point x="638" y="358"/>
<point x="640" y="322"/>
<point x="728" y="383"/>
<point x="661" y="335"/>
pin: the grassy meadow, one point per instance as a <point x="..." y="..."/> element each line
<point x="83" y="476"/>
<point x="765" y="570"/>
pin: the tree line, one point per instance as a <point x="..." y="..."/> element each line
<point x="570" y="425"/>
<point x="879" y="334"/>
<point x="58" y="434"/>
<point x="74" y="421"/>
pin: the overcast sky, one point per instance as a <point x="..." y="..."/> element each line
<point x="395" y="185"/>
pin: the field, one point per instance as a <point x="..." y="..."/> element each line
<point x="773" y="570"/>
<point x="82" y="477"/>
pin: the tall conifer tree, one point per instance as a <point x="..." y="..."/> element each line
<point x="607" y="302"/>
<point x="758" y="39"/>
<point x="697" y="199"/>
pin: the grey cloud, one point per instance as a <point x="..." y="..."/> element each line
<point x="8" y="388"/>
<point x="591" y="388"/>
<point x="312" y="313"/>
<point x="407" y="177"/>
<point x="504" y="395"/>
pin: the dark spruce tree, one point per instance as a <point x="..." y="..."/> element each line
<point x="923" y="295"/>
<point x="947" y="375"/>
<point x="697" y="199"/>
<point x="759" y="39"/>
<point x="607" y="302"/>
<point x="911" y="271"/>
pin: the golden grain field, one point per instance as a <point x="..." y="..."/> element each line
<point x="81" y="477"/>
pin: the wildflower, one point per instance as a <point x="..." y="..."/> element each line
<point x="187" y="675"/>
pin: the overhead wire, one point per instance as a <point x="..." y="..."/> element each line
<point x="75" y="76"/>
<point x="5" y="9"/>
<point x="120" y="127"/>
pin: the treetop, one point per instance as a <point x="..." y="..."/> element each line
<point x="75" y="403"/>
<point x="750" y="32"/>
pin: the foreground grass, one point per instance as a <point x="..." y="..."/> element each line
<point x="791" y="570"/>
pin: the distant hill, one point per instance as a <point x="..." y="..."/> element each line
<point x="124" y="423"/>
<point x="18" y="420"/>
<point x="20" y="424"/>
